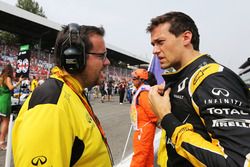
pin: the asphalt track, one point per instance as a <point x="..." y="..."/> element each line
<point x="114" y="118"/>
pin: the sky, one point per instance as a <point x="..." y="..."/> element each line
<point x="224" y="25"/>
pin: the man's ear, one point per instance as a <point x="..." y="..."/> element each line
<point x="187" y="37"/>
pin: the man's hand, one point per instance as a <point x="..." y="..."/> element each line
<point x="160" y="104"/>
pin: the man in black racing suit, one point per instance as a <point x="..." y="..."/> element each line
<point x="207" y="114"/>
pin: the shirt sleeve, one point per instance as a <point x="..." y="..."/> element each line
<point x="222" y="105"/>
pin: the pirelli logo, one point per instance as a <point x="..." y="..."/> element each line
<point x="241" y="123"/>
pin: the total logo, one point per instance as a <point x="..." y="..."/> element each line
<point x="220" y="91"/>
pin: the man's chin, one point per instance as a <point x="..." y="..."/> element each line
<point x="163" y="66"/>
<point x="102" y="77"/>
<point x="99" y="82"/>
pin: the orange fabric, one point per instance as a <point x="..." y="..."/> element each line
<point x="140" y="73"/>
<point x="144" y="109"/>
<point x="143" y="148"/>
<point x="143" y="139"/>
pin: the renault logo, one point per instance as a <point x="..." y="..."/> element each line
<point x="39" y="160"/>
<point x="182" y="85"/>
<point x="220" y="91"/>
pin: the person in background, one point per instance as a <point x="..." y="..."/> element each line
<point x="122" y="88"/>
<point x="103" y="91"/>
<point x="26" y="86"/>
<point x="33" y="84"/>
<point x="205" y="110"/>
<point x="40" y="80"/>
<point x="56" y="125"/>
<point x="110" y="89"/>
<point x="143" y="120"/>
<point x="6" y="87"/>
<point x="129" y="91"/>
<point x="96" y="92"/>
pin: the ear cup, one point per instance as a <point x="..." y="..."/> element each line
<point x="73" y="60"/>
<point x="73" y="56"/>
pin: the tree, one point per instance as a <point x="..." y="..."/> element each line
<point x="28" y="5"/>
<point x="8" y="38"/>
<point x="31" y="6"/>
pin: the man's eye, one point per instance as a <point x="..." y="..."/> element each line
<point x="161" y="42"/>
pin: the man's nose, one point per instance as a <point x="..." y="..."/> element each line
<point x="156" y="50"/>
<point x="106" y="62"/>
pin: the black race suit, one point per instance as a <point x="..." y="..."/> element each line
<point x="209" y="123"/>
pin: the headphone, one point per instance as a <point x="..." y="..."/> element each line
<point x="73" y="56"/>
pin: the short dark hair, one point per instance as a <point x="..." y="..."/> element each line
<point x="85" y="33"/>
<point x="180" y="22"/>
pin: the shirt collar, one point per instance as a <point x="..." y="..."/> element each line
<point x="66" y="77"/>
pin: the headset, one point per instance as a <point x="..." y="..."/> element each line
<point x="73" y="55"/>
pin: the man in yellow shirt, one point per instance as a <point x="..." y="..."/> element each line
<point x="34" y="84"/>
<point x="56" y="125"/>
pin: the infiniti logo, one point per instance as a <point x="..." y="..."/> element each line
<point x="219" y="91"/>
<point x="39" y="160"/>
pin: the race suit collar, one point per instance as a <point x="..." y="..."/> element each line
<point x="190" y="66"/>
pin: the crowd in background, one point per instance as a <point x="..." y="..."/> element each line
<point x="105" y="91"/>
<point x="40" y="63"/>
<point x="117" y="82"/>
